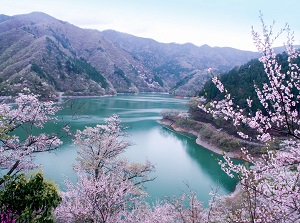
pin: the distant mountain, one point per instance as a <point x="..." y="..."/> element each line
<point x="175" y="63"/>
<point x="39" y="51"/>
<point x="46" y="55"/>
<point x="282" y="49"/>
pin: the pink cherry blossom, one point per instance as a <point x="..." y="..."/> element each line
<point x="270" y="188"/>
<point x="24" y="116"/>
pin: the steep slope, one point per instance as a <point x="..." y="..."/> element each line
<point x="240" y="82"/>
<point x="190" y="84"/>
<point x="48" y="56"/>
<point x="175" y="62"/>
<point x="40" y="52"/>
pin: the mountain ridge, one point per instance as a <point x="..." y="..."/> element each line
<point x="174" y="62"/>
<point x="64" y="53"/>
<point x="47" y="55"/>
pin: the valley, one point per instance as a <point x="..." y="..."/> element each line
<point x="45" y="55"/>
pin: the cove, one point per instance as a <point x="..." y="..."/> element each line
<point x="176" y="156"/>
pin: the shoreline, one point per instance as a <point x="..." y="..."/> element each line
<point x="200" y="142"/>
<point x="236" y="193"/>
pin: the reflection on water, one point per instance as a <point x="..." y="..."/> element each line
<point x="176" y="156"/>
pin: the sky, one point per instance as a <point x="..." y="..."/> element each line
<point x="223" y="23"/>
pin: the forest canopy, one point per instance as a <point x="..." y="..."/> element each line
<point x="240" y="82"/>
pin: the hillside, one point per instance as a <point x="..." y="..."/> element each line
<point x="47" y="56"/>
<point x="239" y="83"/>
<point x="39" y="50"/>
<point x="182" y="66"/>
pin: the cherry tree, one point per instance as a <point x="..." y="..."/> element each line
<point x="108" y="186"/>
<point x="270" y="189"/>
<point x="110" y="189"/>
<point x="100" y="199"/>
<point x="17" y="125"/>
<point x="183" y="209"/>
<point x="100" y="150"/>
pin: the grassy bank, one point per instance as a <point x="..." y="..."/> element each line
<point x="216" y="140"/>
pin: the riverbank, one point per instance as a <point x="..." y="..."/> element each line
<point x="217" y="139"/>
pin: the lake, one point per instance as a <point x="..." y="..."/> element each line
<point x="177" y="158"/>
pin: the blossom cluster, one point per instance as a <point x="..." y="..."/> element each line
<point x="270" y="187"/>
<point x="27" y="114"/>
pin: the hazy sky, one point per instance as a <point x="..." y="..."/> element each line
<point x="212" y="22"/>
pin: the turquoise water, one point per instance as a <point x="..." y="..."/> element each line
<point x="177" y="158"/>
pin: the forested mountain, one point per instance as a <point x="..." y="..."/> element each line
<point x="182" y="66"/>
<point x="240" y="82"/>
<point x="39" y="51"/>
<point x="47" y="56"/>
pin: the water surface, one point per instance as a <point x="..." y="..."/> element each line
<point x="177" y="158"/>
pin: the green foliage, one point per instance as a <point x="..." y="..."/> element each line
<point x="240" y="82"/>
<point x="81" y="66"/>
<point x="59" y="64"/>
<point x="71" y="67"/>
<point x="38" y="70"/>
<point x="207" y="133"/>
<point x="30" y="200"/>
<point x="50" y="43"/>
<point x="43" y="75"/>
<point x="216" y="133"/>
<point x="219" y="139"/>
<point x="100" y="49"/>
<point x="158" y="80"/>
<point x="121" y="73"/>
<point x="187" y="123"/>
<point x="183" y="81"/>
<point x="16" y="84"/>
<point x="65" y="42"/>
